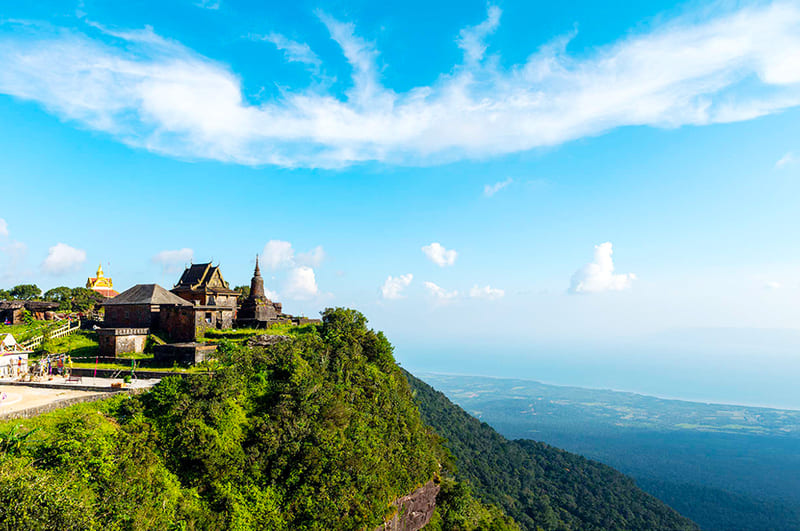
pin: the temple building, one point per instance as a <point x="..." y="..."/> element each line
<point x="102" y="284"/>
<point x="257" y="310"/>
<point x="213" y="299"/>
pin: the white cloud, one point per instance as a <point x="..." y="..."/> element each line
<point x="173" y="261"/>
<point x="277" y="254"/>
<point x="598" y="276"/>
<point x="490" y="189"/>
<point x="61" y="258"/>
<point x="440" y="293"/>
<point x="486" y="292"/>
<point x="15" y="252"/>
<point x="293" y="51"/>
<point x="394" y="286"/>
<point x="715" y="66"/>
<point x="301" y="283"/>
<point x="772" y="285"/>
<point x="312" y="258"/>
<point x="472" y="39"/>
<point x="208" y="4"/>
<point x="439" y="255"/>
<point x="785" y="160"/>
<point x="3" y="227"/>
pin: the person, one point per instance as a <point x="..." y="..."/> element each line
<point x="60" y="366"/>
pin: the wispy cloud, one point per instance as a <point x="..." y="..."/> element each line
<point x="789" y="158"/>
<point x="3" y="227"/>
<point x="439" y="293"/>
<point x="490" y="189"/>
<point x="154" y="93"/>
<point x="208" y="4"/>
<point x="172" y="261"/>
<point x="293" y="51"/>
<point x="486" y="292"/>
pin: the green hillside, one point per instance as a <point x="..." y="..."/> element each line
<point x="538" y="485"/>
<point x="317" y="434"/>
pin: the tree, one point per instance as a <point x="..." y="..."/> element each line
<point x="244" y="292"/>
<point x="26" y="292"/>
<point x="5" y="295"/>
<point x="85" y="299"/>
<point x="62" y="295"/>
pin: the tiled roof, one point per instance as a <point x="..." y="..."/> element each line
<point x="146" y="294"/>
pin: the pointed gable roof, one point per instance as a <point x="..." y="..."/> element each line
<point x="203" y="276"/>
<point x="146" y="294"/>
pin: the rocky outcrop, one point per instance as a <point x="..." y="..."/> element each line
<point x="267" y="340"/>
<point x="413" y="511"/>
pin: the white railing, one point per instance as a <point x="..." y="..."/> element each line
<point x="68" y="328"/>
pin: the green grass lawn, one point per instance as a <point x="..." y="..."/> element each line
<point x="24" y="332"/>
<point x="81" y="344"/>
<point x="126" y="368"/>
<point x="243" y="334"/>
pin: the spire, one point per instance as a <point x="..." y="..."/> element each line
<point x="99" y="270"/>
<point x="257" y="284"/>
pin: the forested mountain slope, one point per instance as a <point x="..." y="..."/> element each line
<point x="538" y="485"/>
<point x="319" y="433"/>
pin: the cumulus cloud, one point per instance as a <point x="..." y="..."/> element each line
<point x="172" y="261"/>
<point x="279" y="254"/>
<point x="490" y="189"/>
<point x="394" y="286"/>
<point x="784" y="160"/>
<point x="301" y="283"/>
<point x="440" y="256"/>
<point x="598" y="275"/>
<point x="3" y="228"/>
<point x="486" y="292"/>
<point x="293" y="51"/>
<point x="313" y="258"/>
<point x="440" y="293"/>
<point x="61" y="258"/>
<point x="718" y="66"/>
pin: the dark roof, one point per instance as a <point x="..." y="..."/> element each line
<point x="38" y="306"/>
<point x="195" y="274"/>
<point x="197" y="277"/>
<point x="31" y="306"/>
<point x="146" y="294"/>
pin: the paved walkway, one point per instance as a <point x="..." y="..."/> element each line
<point x="18" y="398"/>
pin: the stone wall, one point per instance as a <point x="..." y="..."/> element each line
<point x="66" y="402"/>
<point x="179" y="322"/>
<point x="115" y="341"/>
<point x="130" y="316"/>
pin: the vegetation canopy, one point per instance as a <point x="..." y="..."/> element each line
<point x="317" y="433"/>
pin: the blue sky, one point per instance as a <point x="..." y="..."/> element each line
<point x="528" y="140"/>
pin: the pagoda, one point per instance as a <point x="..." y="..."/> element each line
<point x="102" y="284"/>
<point x="257" y="310"/>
